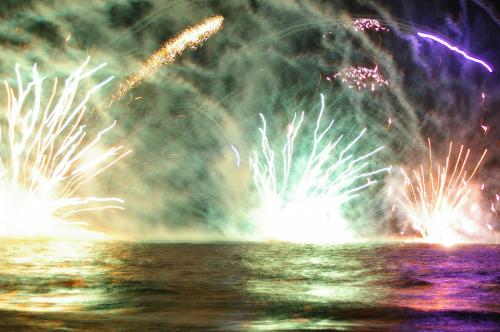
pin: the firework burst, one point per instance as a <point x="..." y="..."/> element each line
<point x="360" y="78"/>
<point x="364" y="24"/>
<point x="47" y="155"/>
<point x="437" y="200"/>
<point x="301" y="196"/>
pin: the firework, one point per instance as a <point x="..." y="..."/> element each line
<point x="456" y="49"/>
<point x="364" y="24"/>
<point x="191" y="37"/>
<point x="438" y="201"/>
<point x="301" y="196"/>
<point x="47" y="155"/>
<point x="361" y="78"/>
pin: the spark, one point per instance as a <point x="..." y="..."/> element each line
<point x="455" y="49"/>
<point x="363" y="24"/>
<point x="301" y="196"/>
<point x="485" y="129"/>
<point x="483" y="96"/>
<point x="237" y="154"/>
<point x="435" y="199"/>
<point x="47" y="154"/>
<point x="361" y="78"/>
<point x="191" y="37"/>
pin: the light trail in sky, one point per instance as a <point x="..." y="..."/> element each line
<point x="456" y="49"/>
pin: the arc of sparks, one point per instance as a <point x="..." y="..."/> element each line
<point x="456" y="49"/>
<point x="191" y="37"/>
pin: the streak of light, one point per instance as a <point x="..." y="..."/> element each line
<point x="191" y="37"/>
<point x="456" y="49"/>
<point x="237" y="155"/>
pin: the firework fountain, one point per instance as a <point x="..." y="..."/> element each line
<point x="47" y="155"/>
<point x="438" y="200"/>
<point x="301" y="195"/>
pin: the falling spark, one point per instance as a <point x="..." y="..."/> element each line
<point x="361" y="78"/>
<point x="47" y="155"/>
<point x="485" y="129"/>
<point x="456" y="49"/>
<point x="191" y="37"/>
<point x="435" y="198"/>
<point x="237" y="155"/>
<point x="494" y="205"/>
<point x="301" y="196"/>
<point x="483" y="96"/>
<point x="363" y="24"/>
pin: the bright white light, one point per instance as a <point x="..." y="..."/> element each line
<point x="301" y="195"/>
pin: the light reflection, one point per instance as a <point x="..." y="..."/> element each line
<point x="49" y="276"/>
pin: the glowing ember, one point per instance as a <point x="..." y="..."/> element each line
<point x="361" y="78"/>
<point x="438" y="200"/>
<point x="301" y="196"/>
<point x="46" y="156"/>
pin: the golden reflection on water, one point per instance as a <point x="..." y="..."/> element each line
<point x="49" y="276"/>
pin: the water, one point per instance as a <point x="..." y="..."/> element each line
<point x="368" y="287"/>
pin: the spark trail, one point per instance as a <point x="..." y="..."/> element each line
<point x="191" y="37"/>
<point x="47" y="154"/>
<point x="301" y="196"/>
<point x="438" y="201"/>
<point x="456" y="49"/>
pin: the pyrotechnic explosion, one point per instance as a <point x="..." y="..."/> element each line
<point x="437" y="200"/>
<point x="47" y="155"/>
<point x="191" y="37"/>
<point x="301" y="195"/>
<point x="361" y="78"/>
<point x="364" y="24"/>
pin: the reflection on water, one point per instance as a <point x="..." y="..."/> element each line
<point x="46" y="285"/>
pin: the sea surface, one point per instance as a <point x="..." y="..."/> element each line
<point x="364" y="287"/>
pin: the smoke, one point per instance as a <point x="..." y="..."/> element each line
<point x="182" y="181"/>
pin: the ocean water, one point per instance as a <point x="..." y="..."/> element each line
<point x="363" y="287"/>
